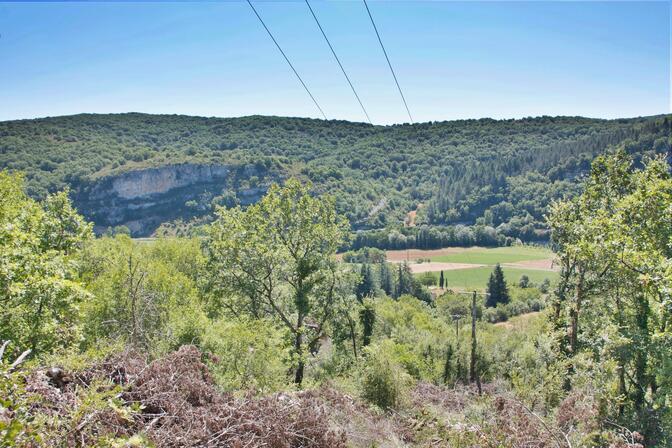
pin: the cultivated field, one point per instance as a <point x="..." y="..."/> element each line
<point x="491" y="256"/>
<point x="469" y="268"/>
<point x="433" y="266"/>
<point x="477" y="278"/>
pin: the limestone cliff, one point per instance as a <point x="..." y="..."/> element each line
<point x="143" y="199"/>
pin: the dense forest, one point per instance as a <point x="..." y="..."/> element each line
<point x="497" y="175"/>
<point x="255" y="335"/>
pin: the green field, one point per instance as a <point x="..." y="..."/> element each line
<point x="491" y="256"/>
<point x="477" y="278"/>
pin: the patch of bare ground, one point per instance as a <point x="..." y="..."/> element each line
<point x="414" y="254"/>
<point x="542" y="265"/>
<point x="410" y="217"/>
<point x="434" y="266"/>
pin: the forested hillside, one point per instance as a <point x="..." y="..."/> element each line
<point x="498" y="174"/>
<point x="256" y="335"/>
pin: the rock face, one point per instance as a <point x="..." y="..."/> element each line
<point x="143" y="199"/>
<point x="145" y="183"/>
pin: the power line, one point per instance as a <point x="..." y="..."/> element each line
<point x="339" y="62"/>
<point x="388" y="61"/>
<point x="286" y="59"/>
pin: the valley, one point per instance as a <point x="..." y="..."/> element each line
<point x="335" y="224"/>
<point x="192" y="240"/>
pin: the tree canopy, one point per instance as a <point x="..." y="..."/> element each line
<point x="498" y="174"/>
<point x="613" y="301"/>
<point x="39" y="292"/>
<point x="278" y="256"/>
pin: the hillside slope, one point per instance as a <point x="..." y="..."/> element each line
<point x="142" y="170"/>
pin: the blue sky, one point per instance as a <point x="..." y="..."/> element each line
<point x="453" y="59"/>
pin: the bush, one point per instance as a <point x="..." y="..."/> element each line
<point x="247" y="355"/>
<point x="524" y="281"/>
<point x="428" y="279"/>
<point x="497" y="314"/>
<point x="384" y="383"/>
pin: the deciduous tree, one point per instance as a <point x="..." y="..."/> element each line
<point x="277" y="257"/>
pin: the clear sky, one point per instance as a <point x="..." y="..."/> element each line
<point x="453" y="59"/>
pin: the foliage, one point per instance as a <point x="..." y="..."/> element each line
<point x="146" y="294"/>
<point x="384" y="382"/>
<point x="611" y="306"/>
<point x="407" y="284"/>
<point x="276" y="259"/>
<point x="367" y="284"/>
<point x="427" y="279"/>
<point x="523" y="300"/>
<point x="263" y="297"/>
<point x="499" y="173"/>
<point x="15" y="429"/>
<point x="524" y="281"/>
<point x="247" y="355"/>
<point x="365" y="255"/>
<point x="38" y="290"/>
<point x="418" y="333"/>
<point x="497" y="290"/>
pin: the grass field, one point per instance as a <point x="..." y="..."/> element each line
<point x="491" y="256"/>
<point x="477" y="278"/>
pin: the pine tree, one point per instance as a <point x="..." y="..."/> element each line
<point x="441" y="280"/>
<point x="367" y="286"/>
<point x="497" y="289"/>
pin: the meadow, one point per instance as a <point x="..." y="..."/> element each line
<point x="534" y="262"/>
<point x="477" y="278"/>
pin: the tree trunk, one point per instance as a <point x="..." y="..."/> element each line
<point x="353" y="335"/>
<point x="473" y="375"/>
<point x="298" y="347"/>
<point x="622" y="390"/>
<point x="641" y="356"/>
<point x="575" y="312"/>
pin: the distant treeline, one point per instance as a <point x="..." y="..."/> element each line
<point x="431" y="237"/>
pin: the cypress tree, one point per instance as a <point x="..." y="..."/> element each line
<point x="386" y="280"/>
<point x="405" y="280"/>
<point x="366" y="285"/>
<point x="497" y="289"/>
<point x="367" y="316"/>
<point x="441" y="280"/>
<point x="400" y="282"/>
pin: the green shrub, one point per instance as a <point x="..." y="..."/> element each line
<point x="247" y="355"/>
<point x="428" y="279"/>
<point x="384" y="382"/>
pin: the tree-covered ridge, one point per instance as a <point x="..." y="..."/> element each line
<point x="257" y="336"/>
<point x="503" y="171"/>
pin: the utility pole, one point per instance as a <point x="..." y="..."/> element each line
<point x="473" y="374"/>
<point x="449" y="353"/>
